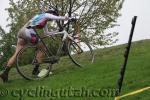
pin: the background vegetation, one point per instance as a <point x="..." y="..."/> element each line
<point x="95" y="17"/>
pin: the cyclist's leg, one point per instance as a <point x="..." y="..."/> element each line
<point x="39" y="58"/>
<point x="5" y="71"/>
<point x="22" y="41"/>
<point x="40" y="54"/>
<point x="20" y="45"/>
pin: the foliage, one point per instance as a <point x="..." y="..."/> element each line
<point x="6" y="48"/>
<point x="95" y="15"/>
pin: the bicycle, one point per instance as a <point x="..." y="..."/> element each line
<point x="76" y="47"/>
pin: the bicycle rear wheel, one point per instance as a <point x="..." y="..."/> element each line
<point x="80" y="53"/>
<point x="26" y="61"/>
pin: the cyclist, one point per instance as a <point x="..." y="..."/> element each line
<point x="26" y="35"/>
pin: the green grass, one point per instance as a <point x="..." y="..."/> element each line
<point x="103" y="74"/>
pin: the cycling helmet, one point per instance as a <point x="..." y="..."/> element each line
<point x="52" y="10"/>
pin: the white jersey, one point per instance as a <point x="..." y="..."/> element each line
<point x="41" y="20"/>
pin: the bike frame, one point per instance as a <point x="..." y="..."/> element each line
<point x="65" y="35"/>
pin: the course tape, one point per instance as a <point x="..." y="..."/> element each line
<point x="132" y="93"/>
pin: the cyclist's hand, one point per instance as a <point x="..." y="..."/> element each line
<point x="73" y="19"/>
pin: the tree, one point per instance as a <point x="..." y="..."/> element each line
<point x="6" y="46"/>
<point x="96" y="16"/>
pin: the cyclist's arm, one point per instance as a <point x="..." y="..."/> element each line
<point x="53" y="17"/>
<point x="47" y="32"/>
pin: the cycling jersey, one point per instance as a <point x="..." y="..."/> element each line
<point x="41" y="20"/>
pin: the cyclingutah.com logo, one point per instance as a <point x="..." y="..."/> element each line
<point x="44" y="92"/>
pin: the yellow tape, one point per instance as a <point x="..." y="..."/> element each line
<point x="132" y="93"/>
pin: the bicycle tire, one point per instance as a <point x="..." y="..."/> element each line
<point x="22" y="67"/>
<point x="86" y="53"/>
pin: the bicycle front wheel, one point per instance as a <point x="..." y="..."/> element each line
<point x="80" y="53"/>
<point x="29" y="66"/>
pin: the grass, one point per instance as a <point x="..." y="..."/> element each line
<point x="101" y="76"/>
